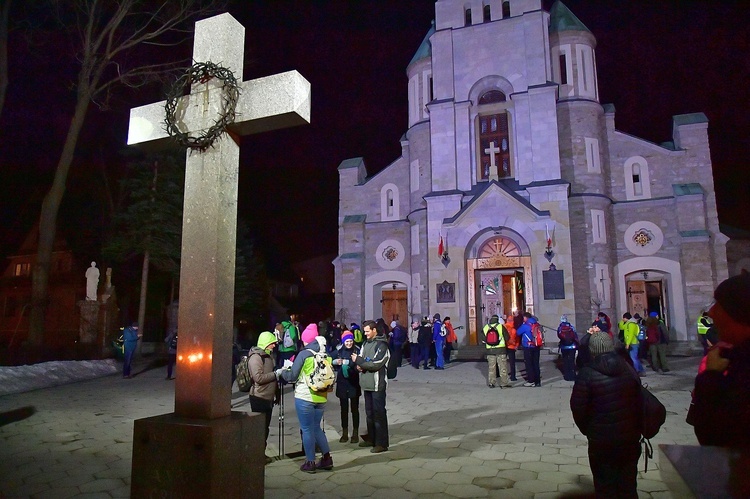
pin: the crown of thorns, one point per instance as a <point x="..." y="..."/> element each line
<point x="201" y="72"/>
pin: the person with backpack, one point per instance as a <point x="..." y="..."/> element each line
<point x="512" y="345"/>
<point x="171" y="341"/>
<point x="130" y="336"/>
<point x="529" y="333"/>
<point x="495" y="339"/>
<point x="603" y="323"/>
<point x="372" y="362"/>
<point x="414" y="351"/>
<point x="657" y="339"/>
<point x="606" y="407"/>
<point x="310" y="398"/>
<point x="396" y="339"/>
<point x="348" y="389"/>
<point x="438" y="338"/>
<point x="621" y="326"/>
<point x="264" y="389"/>
<point x="289" y="336"/>
<point x="424" y="338"/>
<point x="632" y="344"/>
<point x="357" y="332"/>
<point x="568" y="337"/>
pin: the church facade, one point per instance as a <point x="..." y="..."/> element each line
<point x="515" y="191"/>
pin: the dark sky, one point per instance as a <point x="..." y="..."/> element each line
<point x="655" y="60"/>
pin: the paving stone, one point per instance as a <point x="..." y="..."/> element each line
<point x="352" y="490"/>
<point x="453" y="478"/>
<point x="486" y="470"/>
<point x="557" y="477"/>
<point x="102" y="485"/>
<point x="538" y="466"/>
<point x="535" y="486"/>
<point x="493" y="482"/>
<point x="441" y="465"/>
<point x="465" y="491"/>
<point x="518" y="475"/>
<point x="522" y="457"/>
<point x="425" y="486"/>
<point x="385" y="481"/>
<point x="415" y="474"/>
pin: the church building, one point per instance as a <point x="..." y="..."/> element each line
<point x="515" y="191"/>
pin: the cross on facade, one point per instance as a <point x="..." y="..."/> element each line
<point x="492" y="151"/>
<point x="205" y="322"/>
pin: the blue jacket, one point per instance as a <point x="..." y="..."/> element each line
<point x="436" y="326"/>
<point x="527" y="339"/>
<point x="130" y="337"/>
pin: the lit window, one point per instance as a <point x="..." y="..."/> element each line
<point x="22" y="269"/>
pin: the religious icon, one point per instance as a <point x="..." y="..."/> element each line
<point x="446" y="292"/>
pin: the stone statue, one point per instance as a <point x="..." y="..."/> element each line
<point x="92" y="281"/>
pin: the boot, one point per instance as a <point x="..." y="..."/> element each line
<point x="344" y="438"/>
<point x="309" y="467"/>
<point x="325" y="463"/>
<point x="355" y="437"/>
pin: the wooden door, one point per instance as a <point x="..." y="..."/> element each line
<point x="394" y="306"/>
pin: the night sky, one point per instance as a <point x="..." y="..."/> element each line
<point x="654" y="60"/>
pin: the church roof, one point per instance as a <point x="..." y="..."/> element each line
<point x="425" y="48"/>
<point x="562" y="19"/>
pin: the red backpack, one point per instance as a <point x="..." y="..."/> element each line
<point x="493" y="336"/>
<point x="537" y="335"/>
<point x="652" y="334"/>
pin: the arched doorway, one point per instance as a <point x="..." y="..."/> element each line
<point x="497" y="280"/>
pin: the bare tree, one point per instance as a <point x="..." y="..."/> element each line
<point x="109" y="33"/>
<point x="4" y="16"/>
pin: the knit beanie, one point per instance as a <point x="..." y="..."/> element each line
<point x="394" y="324"/>
<point x="309" y="334"/>
<point x="494" y="319"/>
<point x="563" y="318"/>
<point x="732" y="295"/>
<point x="347" y="336"/>
<point x="601" y="343"/>
<point x="436" y="317"/>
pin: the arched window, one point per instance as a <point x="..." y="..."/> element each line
<point x="467" y="17"/>
<point x="637" y="178"/>
<point x="492" y="96"/>
<point x="487" y="14"/>
<point x="506" y="9"/>
<point x="389" y="198"/>
<point x="497" y="247"/>
<point x="389" y="203"/>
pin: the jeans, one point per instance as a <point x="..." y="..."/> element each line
<point x="512" y="363"/>
<point x="129" y="354"/>
<point x="634" y="357"/>
<point x="531" y="359"/>
<point x="439" y="358"/>
<point x="310" y="416"/>
<point x="345" y="403"/>
<point x="377" y="418"/>
<point x="415" y="354"/>
<point x="171" y="359"/>
<point x="424" y="354"/>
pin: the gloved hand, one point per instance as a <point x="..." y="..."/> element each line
<point x="278" y="372"/>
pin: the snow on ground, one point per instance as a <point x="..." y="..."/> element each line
<point x="18" y="379"/>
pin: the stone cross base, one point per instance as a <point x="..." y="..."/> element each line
<point x="180" y="457"/>
<point x="88" y="330"/>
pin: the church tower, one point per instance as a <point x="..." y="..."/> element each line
<point x="581" y="127"/>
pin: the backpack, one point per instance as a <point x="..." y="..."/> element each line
<point x="288" y="341"/>
<point x="537" y="335"/>
<point x="493" y="336"/>
<point x="641" y="332"/>
<point x="322" y="377"/>
<point x="443" y="330"/>
<point x="244" y="380"/>
<point x="653" y="416"/>
<point x="566" y="334"/>
<point x="652" y="334"/>
<point x="173" y="343"/>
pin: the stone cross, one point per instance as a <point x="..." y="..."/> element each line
<point x="492" y="151"/>
<point x="204" y="355"/>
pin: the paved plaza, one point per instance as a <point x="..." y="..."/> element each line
<point x="451" y="436"/>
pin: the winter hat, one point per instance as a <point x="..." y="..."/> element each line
<point x="309" y="334"/>
<point x="347" y="336"/>
<point x="637" y="317"/>
<point x="563" y="318"/>
<point x="266" y="338"/>
<point x="494" y="319"/>
<point x="394" y="324"/>
<point x="653" y="314"/>
<point x="601" y="343"/>
<point x="436" y="317"/>
<point x="732" y="295"/>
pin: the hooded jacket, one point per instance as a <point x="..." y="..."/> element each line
<point x="293" y="332"/>
<point x="606" y="401"/>
<point x="527" y="337"/>
<point x="261" y="366"/>
<point x="631" y="332"/>
<point x="373" y="359"/>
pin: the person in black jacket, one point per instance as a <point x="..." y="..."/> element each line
<point x="348" y="390"/>
<point x="606" y="408"/>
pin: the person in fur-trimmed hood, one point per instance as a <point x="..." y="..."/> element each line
<point x="372" y="362"/>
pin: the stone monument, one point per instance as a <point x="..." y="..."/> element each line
<point x="204" y="446"/>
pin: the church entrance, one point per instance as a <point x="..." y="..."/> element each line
<point x="647" y="292"/>
<point x="497" y="282"/>
<point x="394" y="306"/>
